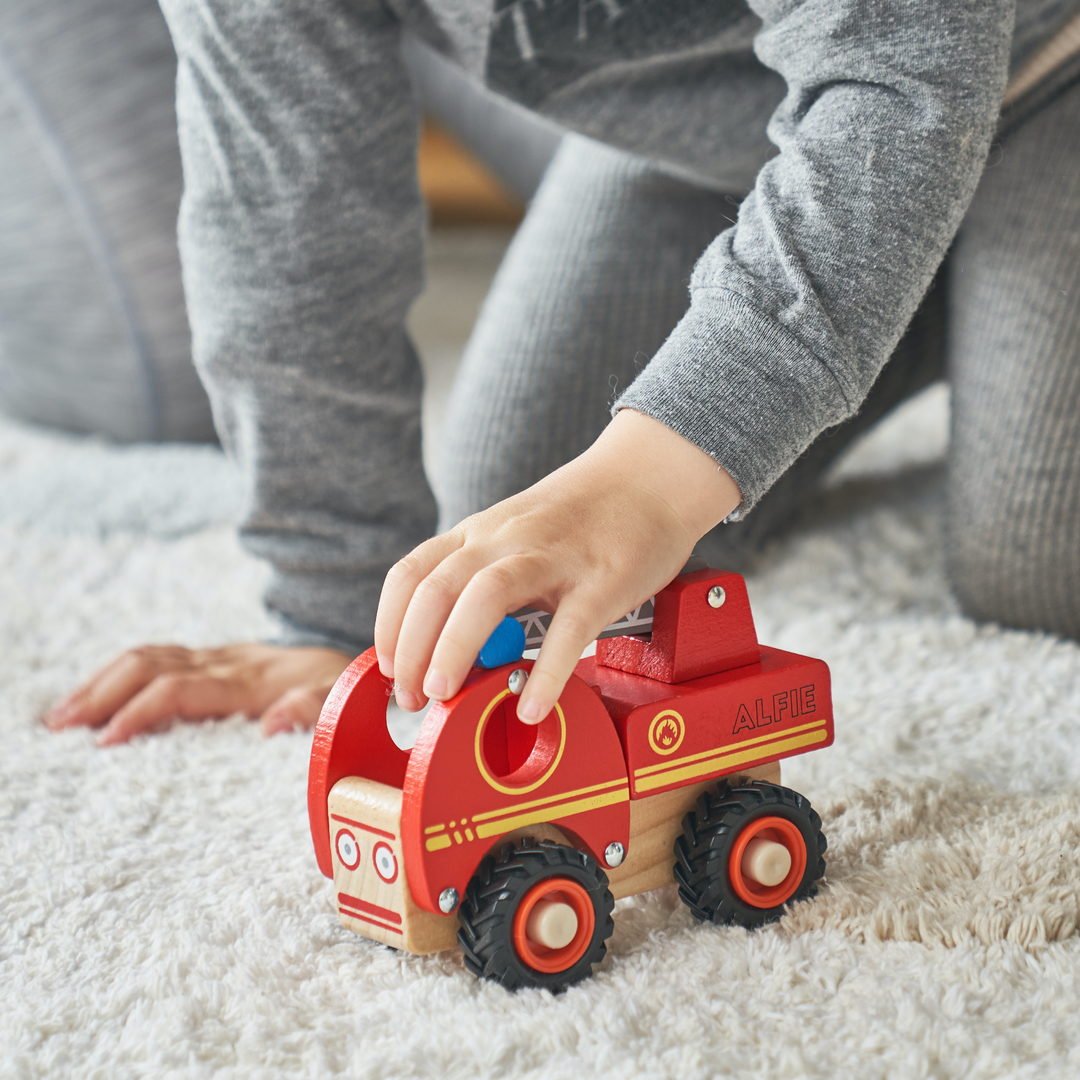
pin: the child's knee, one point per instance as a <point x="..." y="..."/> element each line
<point x="1017" y="569"/>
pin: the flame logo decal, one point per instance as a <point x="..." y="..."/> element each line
<point x="666" y="732"/>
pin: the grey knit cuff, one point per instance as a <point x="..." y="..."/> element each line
<point x="296" y="635"/>
<point x="742" y="387"/>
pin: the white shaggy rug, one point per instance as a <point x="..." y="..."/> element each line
<point x="161" y="913"/>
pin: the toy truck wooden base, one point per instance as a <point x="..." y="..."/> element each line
<point x="659" y="764"/>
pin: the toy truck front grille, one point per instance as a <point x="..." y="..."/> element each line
<point x="369" y="870"/>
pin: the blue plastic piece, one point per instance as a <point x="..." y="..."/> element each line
<point x="506" y="644"/>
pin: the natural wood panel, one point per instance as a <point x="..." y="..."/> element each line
<point x="655" y="822"/>
<point x="378" y="806"/>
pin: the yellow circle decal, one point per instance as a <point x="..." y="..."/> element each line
<point x="556" y="757"/>
<point x="666" y="732"/>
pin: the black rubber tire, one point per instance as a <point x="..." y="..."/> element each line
<point x="709" y="834"/>
<point x="492" y="898"/>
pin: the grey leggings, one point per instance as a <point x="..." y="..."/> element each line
<point x="297" y="303"/>
<point x="93" y="334"/>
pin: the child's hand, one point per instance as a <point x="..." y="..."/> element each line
<point x="588" y="543"/>
<point x="151" y="686"/>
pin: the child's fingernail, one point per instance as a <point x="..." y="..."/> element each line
<point x="529" y="712"/>
<point x="435" y="684"/>
<point x="407" y="699"/>
<point x="274" y="723"/>
<point x="386" y="666"/>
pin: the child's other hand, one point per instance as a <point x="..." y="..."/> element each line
<point x="588" y="543"/>
<point x="148" y="687"/>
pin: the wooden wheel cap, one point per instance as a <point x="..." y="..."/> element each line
<point x="766" y="862"/>
<point x="552" y="924"/>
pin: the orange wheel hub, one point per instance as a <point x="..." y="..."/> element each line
<point x="559" y="890"/>
<point x="780" y="831"/>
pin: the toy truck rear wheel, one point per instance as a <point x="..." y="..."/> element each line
<point x="536" y="916"/>
<point x="746" y="852"/>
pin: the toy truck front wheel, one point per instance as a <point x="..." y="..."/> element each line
<point x="538" y="915"/>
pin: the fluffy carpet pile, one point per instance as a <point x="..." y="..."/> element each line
<point x="161" y="913"/>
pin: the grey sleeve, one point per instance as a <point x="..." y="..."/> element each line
<point x="795" y="309"/>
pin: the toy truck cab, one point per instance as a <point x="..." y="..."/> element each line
<point x="514" y="840"/>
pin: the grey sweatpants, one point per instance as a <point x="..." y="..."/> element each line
<point x="301" y="238"/>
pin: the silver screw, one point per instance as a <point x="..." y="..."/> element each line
<point x="448" y="900"/>
<point x="717" y="596"/>
<point x="518" y="678"/>
<point x="614" y="853"/>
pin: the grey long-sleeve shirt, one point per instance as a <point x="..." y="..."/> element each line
<point x="883" y="133"/>
<point x="882" y="114"/>
<point x="300" y="226"/>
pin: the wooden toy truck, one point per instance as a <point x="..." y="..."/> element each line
<point x="659" y="764"/>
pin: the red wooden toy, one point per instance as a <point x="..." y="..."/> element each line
<point x="659" y="764"/>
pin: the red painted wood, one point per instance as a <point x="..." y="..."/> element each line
<point x="360" y="825"/>
<point x="699" y="700"/>
<point x="356" y="904"/>
<point x="754" y="710"/>
<point x="690" y="638"/>
<point x="445" y="786"/>
<point x="351" y="739"/>
<point x="373" y="922"/>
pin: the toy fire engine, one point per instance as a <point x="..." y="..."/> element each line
<point x="659" y="764"/>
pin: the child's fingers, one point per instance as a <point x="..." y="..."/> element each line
<point x="491" y="592"/>
<point x="173" y="697"/>
<point x="432" y="602"/>
<point x="96" y="700"/>
<point x="573" y="627"/>
<point x="296" y="708"/>
<point x="398" y="589"/>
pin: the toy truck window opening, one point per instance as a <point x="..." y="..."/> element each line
<point x="659" y="765"/>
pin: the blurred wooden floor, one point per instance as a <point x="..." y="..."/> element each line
<point x="458" y="189"/>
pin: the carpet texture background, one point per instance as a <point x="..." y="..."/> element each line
<point x="161" y="913"/>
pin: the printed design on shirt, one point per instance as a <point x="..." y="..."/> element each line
<point x="536" y="47"/>
<point x="514" y="10"/>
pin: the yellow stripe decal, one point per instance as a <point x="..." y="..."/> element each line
<point x="519" y="821"/>
<point x="729" y="761"/>
<point x="550" y="799"/>
<point x="433" y="828"/>
<point x="727" y="749"/>
<point x="437" y="843"/>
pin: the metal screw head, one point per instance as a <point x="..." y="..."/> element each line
<point x="717" y="596"/>
<point x="614" y="853"/>
<point x="517" y="680"/>
<point x="448" y="900"/>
